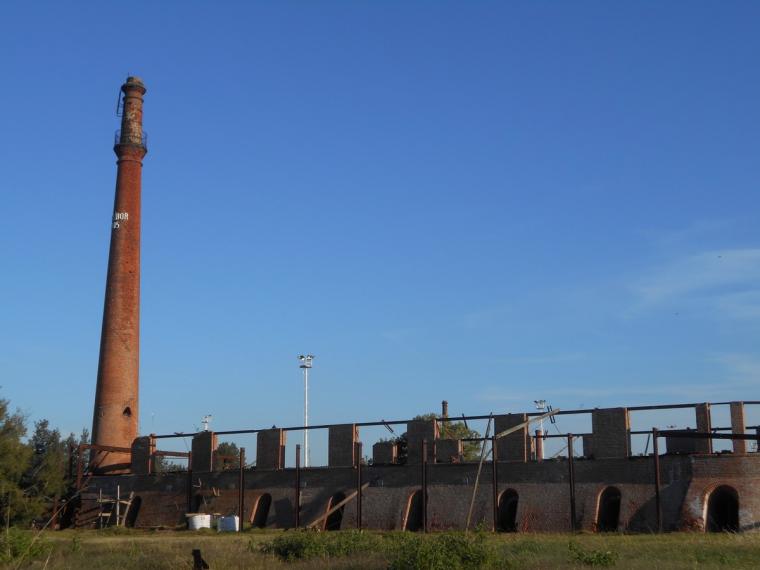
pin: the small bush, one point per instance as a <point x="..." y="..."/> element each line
<point x="305" y="545"/>
<point x="17" y="544"/>
<point x="453" y="550"/>
<point x="592" y="557"/>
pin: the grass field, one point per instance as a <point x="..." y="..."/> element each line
<point x="170" y="550"/>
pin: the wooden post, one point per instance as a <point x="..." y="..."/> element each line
<point x="241" y="489"/>
<point x="656" y="457"/>
<point x="571" y="478"/>
<point x="495" y="483"/>
<point x="424" y="486"/>
<point x="298" y="486"/>
<point x="359" y="485"/>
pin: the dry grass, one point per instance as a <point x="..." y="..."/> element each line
<point x="170" y="549"/>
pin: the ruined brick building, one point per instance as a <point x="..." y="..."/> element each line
<point x="599" y="483"/>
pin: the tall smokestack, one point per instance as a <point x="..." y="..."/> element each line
<point x="115" y="419"/>
<point x="444" y="409"/>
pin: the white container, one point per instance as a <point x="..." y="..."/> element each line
<point x="198" y="521"/>
<point x="228" y="524"/>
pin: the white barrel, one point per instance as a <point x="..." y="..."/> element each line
<point x="228" y="524"/>
<point x="198" y="521"/>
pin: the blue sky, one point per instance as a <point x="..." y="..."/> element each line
<point x="488" y="202"/>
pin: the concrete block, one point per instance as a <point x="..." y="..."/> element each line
<point x="204" y="446"/>
<point x="270" y="449"/>
<point x="737" y="426"/>
<point x="341" y="447"/>
<point x="612" y="437"/>
<point x="142" y="455"/>
<point x="448" y="450"/>
<point x="384" y="452"/>
<point x="416" y="432"/>
<point x="704" y="425"/>
<point x="515" y="446"/>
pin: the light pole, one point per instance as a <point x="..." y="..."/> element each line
<point x="305" y="366"/>
<point x="541" y="407"/>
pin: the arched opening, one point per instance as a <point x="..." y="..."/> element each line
<point x="413" y="515"/>
<point x="198" y="502"/>
<point x="333" y="521"/>
<point x="261" y="511"/>
<point x="134" y="509"/>
<point x="508" y="511"/>
<point x="723" y="510"/>
<point x="608" y="512"/>
<point x="127" y="413"/>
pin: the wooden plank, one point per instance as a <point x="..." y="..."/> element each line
<point x="340" y="504"/>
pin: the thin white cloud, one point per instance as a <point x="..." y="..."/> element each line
<point x="740" y="368"/>
<point x="726" y="279"/>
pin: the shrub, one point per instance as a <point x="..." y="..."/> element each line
<point x="452" y="550"/>
<point x="17" y="544"/>
<point x="592" y="557"/>
<point x="305" y="545"/>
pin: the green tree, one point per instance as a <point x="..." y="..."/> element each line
<point x="447" y="430"/>
<point x="228" y="454"/>
<point x="15" y="457"/>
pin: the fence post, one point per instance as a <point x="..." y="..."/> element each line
<point x="298" y="486"/>
<point x="656" y="456"/>
<point x="424" y="487"/>
<point x="571" y="478"/>
<point x="359" y="485"/>
<point x="241" y="488"/>
<point x="495" y="484"/>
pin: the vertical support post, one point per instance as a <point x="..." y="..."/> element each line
<point x="118" y="503"/>
<point x="189" y="489"/>
<point x="359" y="485"/>
<point x="656" y="457"/>
<point x="571" y="479"/>
<point x="424" y="487"/>
<point x="539" y="445"/>
<point x="241" y="489"/>
<point x="297" y="507"/>
<point x="495" y="484"/>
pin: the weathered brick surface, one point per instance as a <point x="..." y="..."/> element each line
<point x="204" y="446"/>
<point x="342" y="441"/>
<point x="611" y="427"/>
<point x="416" y="432"/>
<point x="270" y="449"/>
<point x="542" y="488"/>
<point x="384" y="452"/>
<point x="737" y="426"/>
<point x="515" y="446"/>
<point x="704" y="425"/>
<point x="448" y="450"/>
<point x="142" y="452"/>
<point x="675" y="444"/>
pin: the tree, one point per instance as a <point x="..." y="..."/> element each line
<point x="228" y="455"/>
<point x="15" y="459"/>
<point x="447" y="430"/>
